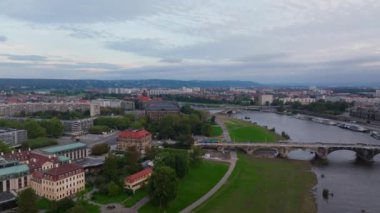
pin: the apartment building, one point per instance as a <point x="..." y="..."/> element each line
<point x="13" y="137"/>
<point x="17" y="108"/>
<point x="77" y="127"/>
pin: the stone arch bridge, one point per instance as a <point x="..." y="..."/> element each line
<point x="365" y="152"/>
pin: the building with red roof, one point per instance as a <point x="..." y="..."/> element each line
<point x="58" y="182"/>
<point x="137" y="180"/>
<point x="141" y="139"/>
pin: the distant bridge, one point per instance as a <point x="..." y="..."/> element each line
<point x="365" y="152"/>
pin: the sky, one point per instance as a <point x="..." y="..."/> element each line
<point x="266" y="41"/>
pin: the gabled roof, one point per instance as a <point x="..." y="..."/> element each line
<point x="137" y="176"/>
<point x="133" y="134"/>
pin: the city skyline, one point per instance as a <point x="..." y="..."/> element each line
<point x="288" y="41"/>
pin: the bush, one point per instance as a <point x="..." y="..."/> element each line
<point x="39" y="142"/>
<point x="99" y="129"/>
<point x="100" y="149"/>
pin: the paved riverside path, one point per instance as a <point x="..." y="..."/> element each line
<point x="220" y="121"/>
<point x="216" y="187"/>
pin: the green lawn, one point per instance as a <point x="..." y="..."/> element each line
<point x="105" y="199"/>
<point x="216" y="131"/>
<point x="197" y="183"/>
<point x="265" y="185"/>
<point x="90" y="208"/>
<point x="242" y="131"/>
<point x="140" y="194"/>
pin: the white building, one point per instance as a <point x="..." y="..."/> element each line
<point x="377" y="94"/>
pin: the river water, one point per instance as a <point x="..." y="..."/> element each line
<point x="355" y="187"/>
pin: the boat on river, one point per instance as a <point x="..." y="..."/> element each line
<point x="353" y="127"/>
<point x="375" y="134"/>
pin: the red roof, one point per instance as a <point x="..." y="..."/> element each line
<point x="137" y="176"/>
<point x="142" y="98"/>
<point x="35" y="160"/>
<point x="133" y="134"/>
<point x="57" y="173"/>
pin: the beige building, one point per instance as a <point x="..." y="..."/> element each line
<point x="137" y="180"/>
<point x="141" y="139"/>
<point x="59" y="182"/>
<point x="265" y="99"/>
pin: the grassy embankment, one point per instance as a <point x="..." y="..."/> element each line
<point x="242" y="131"/>
<point x="216" y="131"/>
<point x="265" y="185"/>
<point x="193" y="186"/>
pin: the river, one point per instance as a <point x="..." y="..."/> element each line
<point x="355" y="187"/>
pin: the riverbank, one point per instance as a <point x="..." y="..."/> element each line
<point x="243" y="131"/>
<point x="265" y="185"/>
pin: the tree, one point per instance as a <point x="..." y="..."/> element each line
<point x="163" y="186"/>
<point x="175" y="160"/>
<point x="196" y="156"/>
<point x="110" y="167"/>
<point x="27" y="201"/>
<point x="212" y="120"/>
<point x="54" y="127"/>
<point x="100" y="149"/>
<point x="34" y="129"/>
<point x="113" y="189"/>
<point x="4" y="147"/>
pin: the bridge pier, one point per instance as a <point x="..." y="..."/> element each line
<point x="283" y="152"/>
<point x="364" y="155"/>
<point x="321" y="153"/>
<point x="220" y="149"/>
<point x="249" y="151"/>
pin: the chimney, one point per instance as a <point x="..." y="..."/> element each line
<point x="2" y="153"/>
<point x="13" y="151"/>
<point x="55" y="155"/>
<point x="29" y="149"/>
<point x="49" y="156"/>
<point x="19" y="151"/>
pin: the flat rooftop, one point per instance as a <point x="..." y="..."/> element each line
<point x="66" y="147"/>
<point x="13" y="170"/>
<point x="4" y="130"/>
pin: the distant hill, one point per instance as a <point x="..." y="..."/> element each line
<point x="87" y="84"/>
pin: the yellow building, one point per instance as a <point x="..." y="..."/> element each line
<point x="141" y="139"/>
<point x="59" y="182"/>
<point x="137" y="180"/>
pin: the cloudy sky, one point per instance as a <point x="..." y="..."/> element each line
<point x="267" y="41"/>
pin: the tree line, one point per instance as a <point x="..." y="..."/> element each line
<point x="36" y="129"/>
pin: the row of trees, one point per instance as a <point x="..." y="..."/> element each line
<point x="67" y="115"/>
<point x="182" y="127"/>
<point x="50" y="127"/>
<point x="321" y="106"/>
<point x="122" y="122"/>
